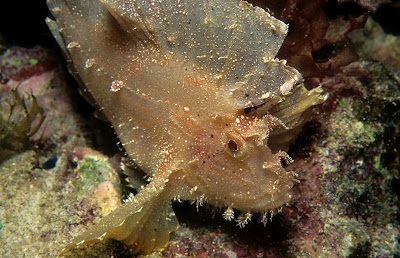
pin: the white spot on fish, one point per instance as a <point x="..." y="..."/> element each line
<point x="122" y="223"/>
<point x="56" y="10"/>
<point x="89" y="62"/>
<point x="102" y="236"/>
<point x="117" y="85"/>
<point x="266" y="95"/>
<point x="73" y="44"/>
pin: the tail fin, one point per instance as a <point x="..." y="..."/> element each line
<point x="143" y="224"/>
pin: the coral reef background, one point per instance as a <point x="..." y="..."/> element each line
<point x="347" y="158"/>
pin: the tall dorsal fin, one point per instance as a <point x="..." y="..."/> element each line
<point x="232" y="39"/>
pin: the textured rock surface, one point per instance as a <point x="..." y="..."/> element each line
<point x="44" y="196"/>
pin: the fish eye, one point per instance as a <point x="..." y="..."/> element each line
<point x="232" y="145"/>
<point x="237" y="147"/>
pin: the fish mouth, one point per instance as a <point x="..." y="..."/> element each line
<point x="248" y="188"/>
<point x="265" y="185"/>
<point x="261" y="201"/>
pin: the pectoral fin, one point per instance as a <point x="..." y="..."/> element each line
<point x="143" y="224"/>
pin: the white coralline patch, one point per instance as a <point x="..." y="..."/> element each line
<point x="116" y="85"/>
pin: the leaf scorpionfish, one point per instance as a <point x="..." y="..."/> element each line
<point x="198" y="100"/>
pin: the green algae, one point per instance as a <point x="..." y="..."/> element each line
<point x="355" y="165"/>
<point x="41" y="208"/>
<point x="349" y="132"/>
<point x="360" y="167"/>
<point x="16" y="61"/>
<point x="90" y="172"/>
<point x="355" y="239"/>
<point x="33" y="61"/>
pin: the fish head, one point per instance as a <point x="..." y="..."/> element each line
<point x="232" y="165"/>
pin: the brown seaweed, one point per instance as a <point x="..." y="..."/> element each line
<point x="17" y="117"/>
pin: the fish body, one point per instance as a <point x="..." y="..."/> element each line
<point x="198" y="100"/>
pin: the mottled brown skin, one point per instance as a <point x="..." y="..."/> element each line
<point x="193" y="91"/>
